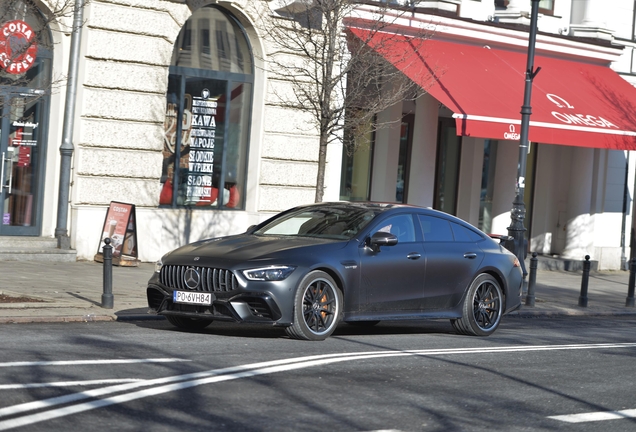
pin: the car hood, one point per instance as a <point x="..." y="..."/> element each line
<point x="248" y="247"/>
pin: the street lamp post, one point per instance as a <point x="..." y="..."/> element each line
<point x="516" y="229"/>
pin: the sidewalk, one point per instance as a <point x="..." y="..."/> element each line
<point x="73" y="292"/>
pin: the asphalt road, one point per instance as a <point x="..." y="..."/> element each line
<point x="410" y="376"/>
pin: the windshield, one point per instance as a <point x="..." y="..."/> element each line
<point x="327" y="222"/>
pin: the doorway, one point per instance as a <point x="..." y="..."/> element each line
<point x="22" y="152"/>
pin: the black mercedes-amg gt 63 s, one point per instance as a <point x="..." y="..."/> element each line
<point x="311" y="267"/>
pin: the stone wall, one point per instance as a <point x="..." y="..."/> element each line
<point x="126" y="50"/>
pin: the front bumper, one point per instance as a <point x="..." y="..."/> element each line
<point x="238" y="305"/>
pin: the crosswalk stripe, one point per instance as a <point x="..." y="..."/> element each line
<point x="595" y="416"/>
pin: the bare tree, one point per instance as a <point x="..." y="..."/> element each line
<point x="335" y="76"/>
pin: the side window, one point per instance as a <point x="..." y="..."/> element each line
<point x="399" y="225"/>
<point x="463" y="234"/>
<point x="436" y="229"/>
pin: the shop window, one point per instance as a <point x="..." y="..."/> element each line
<point x="546" y="7"/>
<point x="487" y="185"/>
<point x="208" y="113"/>
<point x="357" y="160"/>
<point x="404" y="159"/>
<point x="447" y="167"/>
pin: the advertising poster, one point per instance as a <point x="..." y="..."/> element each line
<point x="201" y="156"/>
<point x="120" y="226"/>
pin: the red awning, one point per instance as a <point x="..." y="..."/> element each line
<point x="573" y="103"/>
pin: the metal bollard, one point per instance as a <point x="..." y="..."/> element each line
<point x="584" y="282"/>
<point x="107" y="296"/>
<point x="629" y="302"/>
<point x="532" y="280"/>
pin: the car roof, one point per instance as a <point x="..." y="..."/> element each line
<point x="380" y="207"/>
<point x="371" y="205"/>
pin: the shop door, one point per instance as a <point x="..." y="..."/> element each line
<point x="22" y="135"/>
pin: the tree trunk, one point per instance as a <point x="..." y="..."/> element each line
<point x="322" y="162"/>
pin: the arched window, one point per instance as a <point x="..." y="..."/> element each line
<point x="208" y="113"/>
<point x="26" y="53"/>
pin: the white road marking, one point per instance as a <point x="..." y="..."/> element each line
<point x="180" y="382"/>
<point x="91" y="362"/>
<point x="67" y="383"/>
<point x="595" y="416"/>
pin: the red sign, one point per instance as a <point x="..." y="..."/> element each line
<point x="24" y="156"/>
<point x="18" y="47"/>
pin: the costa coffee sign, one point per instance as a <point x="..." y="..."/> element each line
<point x="18" y="47"/>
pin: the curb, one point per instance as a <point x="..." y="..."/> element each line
<point x="57" y="319"/>
<point x="567" y="313"/>
<point x="79" y="318"/>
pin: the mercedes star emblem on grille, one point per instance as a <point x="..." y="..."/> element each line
<point x="191" y="278"/>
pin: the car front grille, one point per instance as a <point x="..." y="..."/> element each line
<point x="179" y="277"/>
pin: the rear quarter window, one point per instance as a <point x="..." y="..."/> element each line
<point x="463" y="234"/>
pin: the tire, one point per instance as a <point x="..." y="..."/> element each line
<point x="317" y="307"/>
<point x="482" y="308"/>
<point x="188" y="323"/>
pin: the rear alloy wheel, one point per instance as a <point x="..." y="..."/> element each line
<point x="317" y="307"/>
<point x="482" y="309"/>
<point x="188" y="323"/>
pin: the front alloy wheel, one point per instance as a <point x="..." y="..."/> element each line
<point x="317" y="307"/>
<point x="482" y="309"/>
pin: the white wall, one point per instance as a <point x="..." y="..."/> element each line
<point x="119" y="132"/>
<point x="61" y="55"/>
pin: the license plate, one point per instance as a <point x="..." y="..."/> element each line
<point x="199" y="298"/>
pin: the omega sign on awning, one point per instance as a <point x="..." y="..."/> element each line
<point x="573" y="103"/>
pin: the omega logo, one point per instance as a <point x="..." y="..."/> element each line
<point x="191" y="278"/>
<point x="512" y="135"/>
<point x="576" y="119"/>
<point x="558" y="101"/>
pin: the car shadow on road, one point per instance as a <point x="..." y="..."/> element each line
<point x="260" y="331"/>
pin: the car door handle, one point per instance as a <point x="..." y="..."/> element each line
<point x="414" y="256"/>
<point x="470" y="255"/>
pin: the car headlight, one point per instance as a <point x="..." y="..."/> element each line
<point x="158" y="266"/>
<point x="274" y="273"/>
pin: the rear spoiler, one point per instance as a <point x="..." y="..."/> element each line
<point x="501" y="237"/>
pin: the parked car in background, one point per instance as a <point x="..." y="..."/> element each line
<point x="311" y="267"/>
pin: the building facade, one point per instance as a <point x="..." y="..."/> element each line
<point x="176" y="113"/>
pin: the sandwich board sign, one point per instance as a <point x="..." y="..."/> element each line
<point x="121" y="227"/>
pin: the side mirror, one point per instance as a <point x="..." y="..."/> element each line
<point x="251" y="227"/>
<point x="382" y="239"/>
